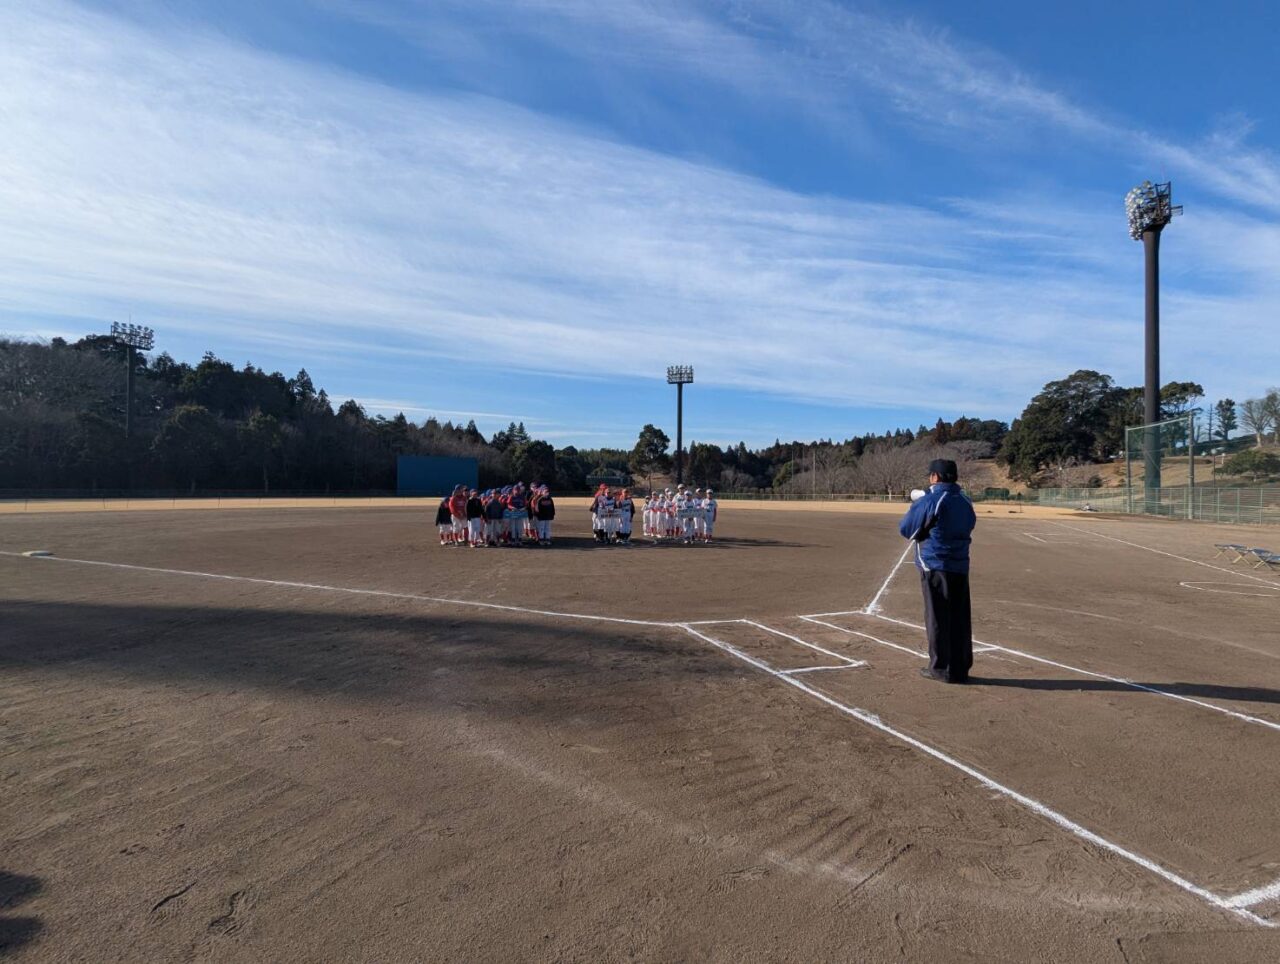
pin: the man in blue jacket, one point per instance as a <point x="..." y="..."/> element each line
<point x="940" y="523"/>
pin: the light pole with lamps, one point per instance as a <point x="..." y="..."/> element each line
<point x="1150" y="207"/>
<point x="680" y="376"/>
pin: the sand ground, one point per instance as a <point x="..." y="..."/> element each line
<point x="272" y="767"/>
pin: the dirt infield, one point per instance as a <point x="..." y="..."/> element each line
<point x="314" y="735"/>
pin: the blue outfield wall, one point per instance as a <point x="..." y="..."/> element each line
<point x="434" y="474"/>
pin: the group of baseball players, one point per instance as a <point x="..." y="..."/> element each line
<point x="685" y="515"/>
<point x="516" y="515"/>
<point x="511" y="516"/>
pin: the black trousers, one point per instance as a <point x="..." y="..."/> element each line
<point x="949" y="623"/>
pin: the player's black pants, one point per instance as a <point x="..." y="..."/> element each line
<point x="948" y="622"/>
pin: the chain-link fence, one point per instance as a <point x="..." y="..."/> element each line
<point x="1161" y="454"/>
<point x="1253" y="505"/>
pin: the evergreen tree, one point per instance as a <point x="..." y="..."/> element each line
<point x="1226" y="411"/>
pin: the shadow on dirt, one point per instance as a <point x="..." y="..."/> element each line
<point x="396" y="652"/>
<point x="1251" y="694"/>
<point x="16" y="889"/>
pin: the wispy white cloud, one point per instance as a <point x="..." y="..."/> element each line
<point x="391" y="406"/>
<point x="833" y="60"/>
<point x="291" y="204"/>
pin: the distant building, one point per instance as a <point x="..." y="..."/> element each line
<point x="434" y="474"/>
<point x="609" y="477"/>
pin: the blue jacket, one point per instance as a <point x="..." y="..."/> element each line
<point x="941" y="524"/>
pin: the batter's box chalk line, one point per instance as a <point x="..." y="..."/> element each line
<point x="818" y="669"/>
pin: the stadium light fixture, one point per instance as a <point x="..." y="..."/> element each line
<point x="134" y="338"/>
<point x="1149" y="208"/>
<point x="679" y="376"/>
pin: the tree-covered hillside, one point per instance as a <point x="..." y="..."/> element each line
<point x="214" y="426"/>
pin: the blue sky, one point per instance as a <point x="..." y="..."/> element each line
<point x="846" y="216"/>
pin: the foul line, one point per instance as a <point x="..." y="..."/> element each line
<point x="1259" y="895"/>
<point x="1113" y="679"/>
<point x="874" y="605"/>
<point x="347" y="589"/>
<point x="1171" y="555"/>
<point x="1066" y="823"/>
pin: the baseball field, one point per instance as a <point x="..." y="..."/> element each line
<point x="292" y="732"/>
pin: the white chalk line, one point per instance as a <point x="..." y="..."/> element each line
<point x="874" y="605"/>
<point x="816" y="669"/>
<point x="1259" y="895"/>
<point x="994" y="647"/>
<point x="382" y="593"/>
<point x="797" y="639"/>
<point x="978" y="647"/>
<point x="1172" y="555"/>
<point x="1059" y="609"/>
<point x="1244" y="717"/>
<point x="1066" y="823"/>
<point x="1059" y="541"/>
<point x="874" y="639"/>
<point x="1202" y="587"/>
<point x="984" y="647"/>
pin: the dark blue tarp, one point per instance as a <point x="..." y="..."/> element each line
<point x="434" y="474"/>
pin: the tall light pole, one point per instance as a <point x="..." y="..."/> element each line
<point x="134" y="338"/>
<point x="1150" y="207"/>
<point x="680" y="376"/>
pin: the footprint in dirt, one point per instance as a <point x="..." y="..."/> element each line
<point x="171" y="904"/>
<point x="238" y="905"/>
<point x="733" y="879"/>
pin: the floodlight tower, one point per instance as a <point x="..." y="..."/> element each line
<point x="680" y="376"/>
<point x="134" y="338"/>
<point x="1150" y="207"/>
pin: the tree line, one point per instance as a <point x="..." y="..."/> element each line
<point x="212" y="426"/>
<point x="1080" y="421"/>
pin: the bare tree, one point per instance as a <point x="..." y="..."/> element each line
<point x="1255" y="416"/>
<point x="1071" y="474"/>
<point x="733" y="480"/>
<point x="891" y="469"/>
<point x="1271" y="406"/>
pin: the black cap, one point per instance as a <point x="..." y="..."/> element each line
<point x="944" y="469"/>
